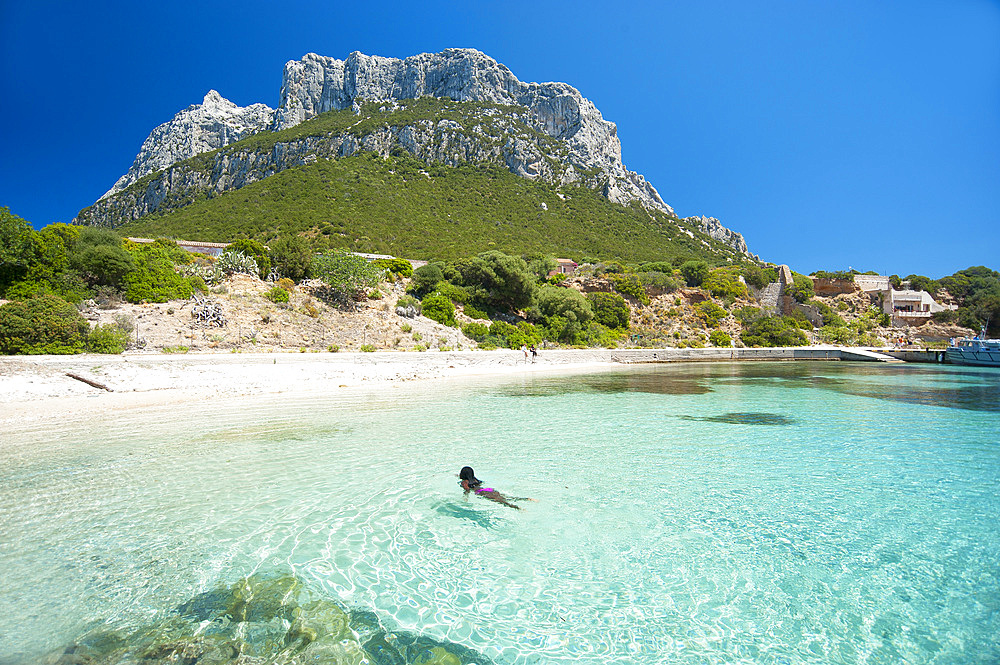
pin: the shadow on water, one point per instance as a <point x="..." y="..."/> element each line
<point x="746" y="418"/>
<point x="463" y="512"/>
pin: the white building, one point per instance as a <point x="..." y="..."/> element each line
<point x="911" y="307"/>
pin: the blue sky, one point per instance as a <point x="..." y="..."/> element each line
<point x="831" y="134"/>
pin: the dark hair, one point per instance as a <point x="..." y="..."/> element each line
<point x="468" y="474"/>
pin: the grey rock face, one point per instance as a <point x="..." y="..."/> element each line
<point x="713" y="228"/>
<point x="199" y="128"/>
<point x="317" y="84"/>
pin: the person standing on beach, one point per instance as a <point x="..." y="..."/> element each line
<point x="524" y="350"/>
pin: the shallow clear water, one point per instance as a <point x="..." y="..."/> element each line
<point x="705" y="513"/>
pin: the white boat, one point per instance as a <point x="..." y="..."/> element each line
<point x="978" y="351"/>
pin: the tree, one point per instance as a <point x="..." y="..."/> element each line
<point x="694" y="272"/>
<point x="801" y="288"/>
<point x="541" y="265"/>
<point x="610" y="309"/>
<point x="292" y="257"/>
<point x="499" y="280"/>
<point x="42" y="325"/>
<point x="15" y="246"/>
<point x="773" y="331"/>
<point x="350" y="276"/>
<point x="425" y="278"/>
<point x="99" y="255"/>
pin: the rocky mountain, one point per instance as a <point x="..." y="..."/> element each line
<point x="214" y="123"/>
<point x="540" y="131"/>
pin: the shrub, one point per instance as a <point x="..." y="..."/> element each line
<point x="277" y="295"/>
<point x="232" y="262"/>
<point x="286" y="283"/>
<point x="801" y="288"/>
<point x="694" y="272"/>
<point x="452" y="292"/>
<point x="570" y="304"/>
<point x="425" y="278"/>
<point x="475" y="331"/>
<point x="254" y="250"/>
<point x="499" y="280"/>
<point x="474" y="313"/>
<point x="42" y="325"/>
<point x="773" y="331"/>
<point x="710" y="313"/>
<point x="758" y="277"/>
<point x="747" y="315"/>
<point x="657" y="266"/>
<point x="541" y="265"/>
<point x="107" y="339"/>
<point x="16" y="244"/>
<point x="720" y="338"/>
<point x="944" y="316"/>
<point x="629" y="285"/>
<point x="723" y="283"/>
<point x="656" y="282"/>
<point x="154" y="278"/>
<point x="438" y="307"/>
<point x="368" y="348"/>
<point x="830" y="317"/>
<point x="292" y="257"/>
<point x="400" y="267"/>
<point x="349" y="275"/>
<point x="610" y="309"/>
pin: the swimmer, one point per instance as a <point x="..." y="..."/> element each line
<point x="469" y="483"/>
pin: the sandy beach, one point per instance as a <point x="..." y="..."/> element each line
<point x="35" y="388"/>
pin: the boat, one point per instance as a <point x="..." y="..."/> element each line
<point x="978" y="351"/>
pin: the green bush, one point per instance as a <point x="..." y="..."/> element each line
<point x="277" y="295"/>
<point x="154" y="278"/>
<point x="16" y="247"/>
<point x="710" y="313"/>
<point x="400" y="267"/>
<point x="474" y="312"/>
<point x="107" y="339"/>
<point x="513" y="336"/>
<point x="452" y="292"/>
<point x="610" y="309"/>
<point x="98" y="254"/>
<point x="801" y="288"/>
<point x="656" y="282"/>
<point x="723" y="283"/>
<point x="720" y="338"/>
<point x="944" y="316"/>
<point x="368" y="348"/>
<point x="41" y="325"/>
<point x="438" y="307"/>
<point x="475" y="331"/>
<point x="629" y="285"/>
<point x="499" y="280"/>
<point x="292" y="257"/>
<point x="694" y="272"/>
<point x="349" y="275"/>
<point x="254" y="250"/>
<point x="773" y="331"/>
<point x="657" y="266"/>
<point x="830" y="316"/>
<point x="758" y="277"/>
<point x="569" y="304"/>
<point x="425" y="278"/>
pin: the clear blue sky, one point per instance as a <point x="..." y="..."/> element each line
<point x="831" y="134"/>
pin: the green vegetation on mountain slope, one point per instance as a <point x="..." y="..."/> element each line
<point x="401" y="206"/>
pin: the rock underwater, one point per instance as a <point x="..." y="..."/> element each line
<point x="263" y="619"/>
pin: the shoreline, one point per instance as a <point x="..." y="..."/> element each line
<point x="38" y="388"/>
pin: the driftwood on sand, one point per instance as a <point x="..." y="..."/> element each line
<point x="89" y="382"/>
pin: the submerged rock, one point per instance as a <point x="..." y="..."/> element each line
<point x="263" y="619"/>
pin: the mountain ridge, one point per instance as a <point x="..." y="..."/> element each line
<point x="584" y="148"/>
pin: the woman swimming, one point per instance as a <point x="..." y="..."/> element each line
<point x="469" y="482"/>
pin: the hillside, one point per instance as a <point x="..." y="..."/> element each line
<point x="399" y="206"/>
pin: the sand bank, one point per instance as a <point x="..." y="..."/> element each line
<point x="34" y="388"/>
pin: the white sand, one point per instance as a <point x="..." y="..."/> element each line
<point x="37" y="388"/>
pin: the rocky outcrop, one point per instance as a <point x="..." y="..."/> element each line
<point x="713" y="228"/>
<point x="316" y="84"/>
<point x="214" y="123"/>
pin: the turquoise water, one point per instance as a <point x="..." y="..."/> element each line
<point x="703" y="513"/>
